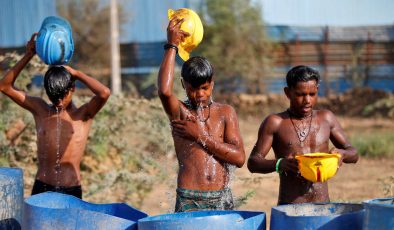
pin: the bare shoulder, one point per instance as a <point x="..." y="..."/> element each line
<point x="325" y="114"/>
<point x="37" y="105"/>
<point x="273" y="121"/>
<point x="276" y="118"/>
<point x="225" y="109"/>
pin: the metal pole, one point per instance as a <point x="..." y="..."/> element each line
<point x="116" y="85"/>
<point x="326" y="38"/>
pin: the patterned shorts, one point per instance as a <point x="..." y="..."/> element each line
<point x="195" y="200"/>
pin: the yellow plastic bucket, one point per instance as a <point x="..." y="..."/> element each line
<point x="318" y="167"/>
<point x="193" y="26"/>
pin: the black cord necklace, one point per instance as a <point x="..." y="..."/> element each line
<point x="303" y="133"/>
<point x="193" y="107"/>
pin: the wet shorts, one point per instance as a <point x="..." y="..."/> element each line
<point x="40" y="187"/>
<point x="194" y="200"/>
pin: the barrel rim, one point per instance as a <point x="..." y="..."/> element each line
<point x="216" y="214"/>
<point x="374" y="202"/>
<point x="279" y="207"/>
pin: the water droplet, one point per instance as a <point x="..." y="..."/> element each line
<point x="58" y="134"/>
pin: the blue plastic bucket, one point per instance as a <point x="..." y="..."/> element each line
<point x="379" y="214"/>
<point x="11" y="198"/>
<point x="54" y="43"/>
<point x="317" y="216"/>
<point x="51" y="210"/>
<point x="205" y="220"/>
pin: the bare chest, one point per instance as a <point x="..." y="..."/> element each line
<point x="63" y="127"/>
<point x="307" y="137"/>
<point x="210" y="121"/>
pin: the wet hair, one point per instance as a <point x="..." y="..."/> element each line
<point x="196" y="71"/>
<point x="301" y="73"/>
<point x="57" y="83"/>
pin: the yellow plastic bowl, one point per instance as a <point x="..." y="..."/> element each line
<point x="318" y="167"/>
<point x="193" y="26"/>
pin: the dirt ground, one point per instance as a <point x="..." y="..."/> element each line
<point x="353" y="183"/>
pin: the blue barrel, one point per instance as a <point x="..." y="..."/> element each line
<point x="204" y="220"/>
<point x="317" y="216"/>
<point x="379" y="214"/>
<point x="51" y="210"/>
<point x="11" y="198"/>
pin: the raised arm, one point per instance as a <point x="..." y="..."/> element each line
<point x="101" y="92"/>
<point x="338" y="138"/>
<point x="7" y="83"/>
<point x="166" y="73"/>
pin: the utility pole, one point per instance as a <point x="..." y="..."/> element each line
<point x="326" y="38"/>
<point x="116" y="81"/>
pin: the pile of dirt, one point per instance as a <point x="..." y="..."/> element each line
<point x="361" y="102"/>
<point x="357" y="102"/>
<point x="259" y="105"/>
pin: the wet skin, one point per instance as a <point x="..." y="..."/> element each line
<point x="202" y="168"/>
<point x="206" y="138"/>
<point x="64" y="125"/>
<point x="278" y="132"/>
<point x="72" y="131"/>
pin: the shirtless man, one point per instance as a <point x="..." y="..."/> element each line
<point x="299" y="129"/>
<point x="206" y="134"/>
<point x="62" y="128"/>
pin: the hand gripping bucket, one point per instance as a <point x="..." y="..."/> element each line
<point x="193" y="26"/>
<point x="54" y="43"/>
<point x="318" y="167"/>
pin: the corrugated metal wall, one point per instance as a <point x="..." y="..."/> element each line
<point x="332" y="13"/>
<point x="19" y="19"/>
<point x="148" y="18"/>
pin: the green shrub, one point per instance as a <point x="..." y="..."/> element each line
<point x="374" y="144"/>
<point x="382" y="108"/>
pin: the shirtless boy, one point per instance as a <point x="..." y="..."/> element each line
<point x="299" y="129"/>
<point x="206" y="134"/>
<point x="62" y="128"/>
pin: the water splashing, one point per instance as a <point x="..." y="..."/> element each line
<point x="57" y="164"/>
<point x="210" y="170"/>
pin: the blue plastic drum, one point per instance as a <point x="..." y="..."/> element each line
<point x="11" y="198"/>
<point x="52" y="210"/>
<point x="228" y="220"/>
<point x="54" y="43"/>
<point x="379" y="214"/>
<point x="317" y="216"/>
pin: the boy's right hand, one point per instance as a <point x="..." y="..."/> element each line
<point x="289" y="165"/>
<point x="31" y="45"/>
<point x="174" y="33"/>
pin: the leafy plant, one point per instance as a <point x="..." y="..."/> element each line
<point x="235" y="41"/>
<point x="388" y="186"/>
<point x="374" y="144"/>
<point x="90" y="22"/>
<point x="383" y="107"/>
<point x="241" y="200"/>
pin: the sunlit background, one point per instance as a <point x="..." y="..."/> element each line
<point x="251" y="44"/>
